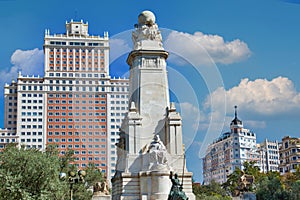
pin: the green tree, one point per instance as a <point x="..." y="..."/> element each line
<point x="294" y="192"/>
<point x="93" y="175"/>
<point x="250" y="168"/>
<point x="231" y="185"/>
<point x="271" y="187"/>
<point x="30" y="174"/>
<point x="213" y="191"/>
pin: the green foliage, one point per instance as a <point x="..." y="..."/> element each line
<point x="93" y="175"/>
<point x="271" y="187"/>
<point x="231" y="185"/>
<point x="251" y="169"/>
<point x="29" y="174"/>
<point x="213" y="191"/>
<point x="294" y="192"/>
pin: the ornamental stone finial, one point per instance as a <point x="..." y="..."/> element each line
<point x="146" y="18"/>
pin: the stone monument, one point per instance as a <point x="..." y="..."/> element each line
<point x="150" y="144"/>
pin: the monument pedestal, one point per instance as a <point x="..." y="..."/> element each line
<point x="148" y="185"/>
<point x="101" y="197"/>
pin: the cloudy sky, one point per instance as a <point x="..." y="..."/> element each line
<point x="222" y="53"/>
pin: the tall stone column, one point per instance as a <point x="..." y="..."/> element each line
<point x="150" y="143"/>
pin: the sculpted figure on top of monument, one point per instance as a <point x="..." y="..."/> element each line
<point x="146" y="29"/>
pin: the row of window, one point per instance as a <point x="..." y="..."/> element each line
<point x="118" y="108"/>
<point x="79" y="89"/>
<point x="76" y="95"/>
<point x="119" y="96"/>
<point x="78" y="140"/>
<point x="31" y="81"/>
<point x="32" y="101"/>
<point x="71" y="120"/>
<point x="31" y="133"/>
<point x="32" y="120"/>
<point x="32" y="140"/>
<point x="32" y="107"/>
<point x="90" y="44"/>
<point x="56" y="140"/>
<point x="70" y="133"/>
<point x="77" y="75"/>
<point x="115" y="120"/>
<point x="77" y="56"/>
<point x="90" y="158"/>
<point x="34" y="146"/>
<point x="76" y="126"/>
<point x="12" y="91"/>
<point x="77" y="63"/>
<point x="11" y="116"/>
<point x="117" y="114"/>
<point x="76" y="82"/>
<point x="32" y="114"/>
<point x="30" y="87"/>
<point x="10" y="110"/>
<point x="7" y="140"/>
<point x="70" y="68"/>
<point x="76" y="108"/>
<point x="76" y="102"/>
<point x="70" y="146"/>
<point x="119" y="102"/>
<point x="32" y="126"/>
<point x="32" y="95"/>
<point x="12" y="98"/>
<point x="69" y="114"/>
<point x="83" y="165"/>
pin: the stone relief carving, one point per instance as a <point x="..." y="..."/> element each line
<point x="101" y="188"/>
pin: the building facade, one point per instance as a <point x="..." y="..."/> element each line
<point x="228" y="152"/>
<point x="289" y="154"/>
<point x="269" y="156"/>
<point x="76" y="105"/>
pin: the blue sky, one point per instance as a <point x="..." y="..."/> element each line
<point x="253" y="46"/>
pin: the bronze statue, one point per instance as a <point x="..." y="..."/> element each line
<point x="176" y="192"/>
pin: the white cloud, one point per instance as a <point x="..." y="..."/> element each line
<point x="260" y="98"/>
<point x="254" y="124"/>
<point x="118" y="47"/>
<point x="203" y="49"/>
<point x="29" y="62"/>
<point x="191" y="117"/>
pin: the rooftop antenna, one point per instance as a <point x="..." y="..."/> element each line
<point x="235" y="111"/>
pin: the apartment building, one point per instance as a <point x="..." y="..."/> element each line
<point x="229" y="151"/>
<point x="289" y="154"/>
<point x="76" y="104"/>
<point x="269" y="156"/>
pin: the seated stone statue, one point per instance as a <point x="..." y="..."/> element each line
<point x="157" y="151"/>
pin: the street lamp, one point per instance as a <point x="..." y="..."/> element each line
<point x="73" y="178"/>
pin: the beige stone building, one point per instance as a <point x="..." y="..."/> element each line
<point x="289" y="154"/>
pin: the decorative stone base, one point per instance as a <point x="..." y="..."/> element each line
<point x="101" y="197"/>
<point x="147" y="185"/>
